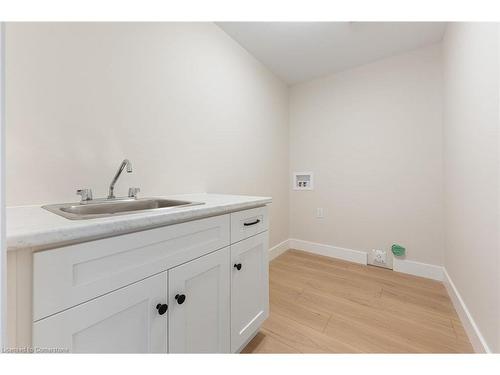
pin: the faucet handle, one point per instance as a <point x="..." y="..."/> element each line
<point x="86" y="194"/>
<point x="132" y="192"/>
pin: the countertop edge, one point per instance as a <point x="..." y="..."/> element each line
<point x="45" y="240"/>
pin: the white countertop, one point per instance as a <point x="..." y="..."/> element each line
<point x="36" y="228"/>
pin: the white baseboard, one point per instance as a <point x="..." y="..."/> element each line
<point x="411" y="267"/>
<point x="429" y="271"/>
<point x="349" y="255"/>
<point x="278" y="249"/>
<point x="476" y="338"/>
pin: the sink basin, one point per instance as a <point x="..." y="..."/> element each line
<point x="79" y="211"/>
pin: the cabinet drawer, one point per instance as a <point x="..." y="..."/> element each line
<point x="248" y="223"/>
<point x="67" y="276"/>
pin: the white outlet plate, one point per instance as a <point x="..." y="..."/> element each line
<point x="380" y="258"/>
<point x="320" y="213"/>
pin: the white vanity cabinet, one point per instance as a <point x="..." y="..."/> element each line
<point x="182" y="288"/>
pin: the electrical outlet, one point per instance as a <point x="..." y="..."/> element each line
<point x="379" y="256"/>
<point x="320" y="213"/>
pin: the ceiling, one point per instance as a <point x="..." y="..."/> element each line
<point x="300" y="51"/>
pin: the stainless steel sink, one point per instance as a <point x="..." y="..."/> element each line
<point x="106" y="208"/>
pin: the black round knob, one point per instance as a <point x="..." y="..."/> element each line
<point x="162" y="308"/>
<point x="180" y="298"/>
<point x="237" y="266"/>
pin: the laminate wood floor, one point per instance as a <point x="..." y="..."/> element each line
<point x="323" y="305"/>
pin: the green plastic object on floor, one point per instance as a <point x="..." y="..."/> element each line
<point x="398" y="250"/>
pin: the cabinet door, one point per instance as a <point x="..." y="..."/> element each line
<point x="124" y="321"/>
<point x="199" y="305"/>
<point x="249" y="288"/>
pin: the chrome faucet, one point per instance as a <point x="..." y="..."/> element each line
<point x="125" y="163"/>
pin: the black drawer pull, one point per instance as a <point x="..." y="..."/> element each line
<point x="180" y="298"/>
<point x="252" y="223"/>
<point x="162" y="308"/>
<point x="237" y="266"/>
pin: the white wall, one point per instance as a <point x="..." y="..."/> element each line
<point x="3" y="260"/>
<point x="373" y="137"/>
<point x="471" y="144"/>
<point x="186" y="104"/>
